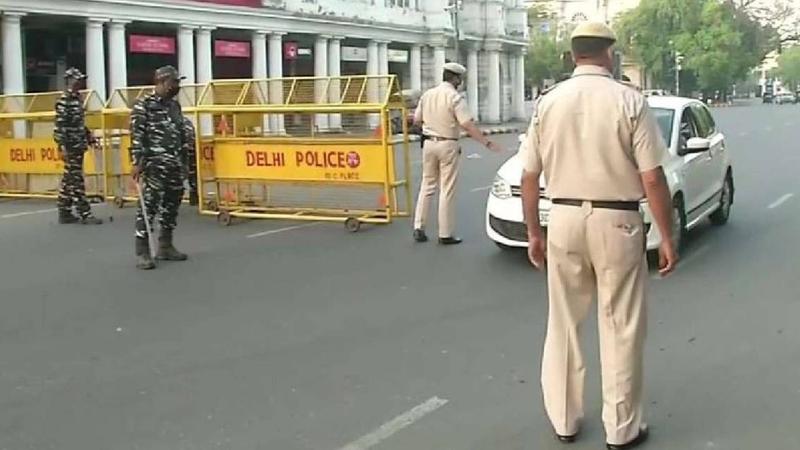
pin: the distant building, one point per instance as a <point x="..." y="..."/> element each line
<point x="119" y="43"/>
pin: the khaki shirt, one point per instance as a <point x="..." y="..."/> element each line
<point x="441" y="111"/>
<point x="592" y="137"/>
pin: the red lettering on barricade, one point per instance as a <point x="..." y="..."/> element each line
<point x="265" y="159"/>
<point x="207" y="153"/>
<point x="23" y="155"/>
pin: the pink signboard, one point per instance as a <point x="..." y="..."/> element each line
<point x="161" y="45"/>
<point x="232" y="49"/>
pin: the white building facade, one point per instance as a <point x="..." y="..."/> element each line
<point x="118" y="43"/>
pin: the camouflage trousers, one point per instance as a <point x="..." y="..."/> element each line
<point x="73" y="190"/>
<point x="162" y="191"/>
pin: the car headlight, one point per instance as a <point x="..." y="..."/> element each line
<point x="500" y="188"/>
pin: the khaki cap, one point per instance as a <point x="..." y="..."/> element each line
<point x="594" y="30"/>
<point x="456" y="68"/>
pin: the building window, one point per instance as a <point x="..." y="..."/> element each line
<point x="403" y="3"/>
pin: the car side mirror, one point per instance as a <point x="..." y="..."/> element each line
<point x="695" y="145"/>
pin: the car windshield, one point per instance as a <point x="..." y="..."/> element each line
<point x="664" y="118"/>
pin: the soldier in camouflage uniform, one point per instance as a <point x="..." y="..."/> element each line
<point x="158" y="148"/>
<point x="73" y="139"/>
<point x="191" y="159"/>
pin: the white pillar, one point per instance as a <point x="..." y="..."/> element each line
<point x="186" y="53"/>
<point x="518" y="93"/>
<point x="276" y="71"/>
<point x="335" y="70"/>
<point x="415" y="64"/>
<point x="383" y="58"/>
<point x="205" y="73"/>
<point x="493" y="79"/>
<point x="439" y="58"/>
<point x="117" y="55"/>
<point x="372" y="85"/>
<point x="259" y="56"/>
<point x="321" y="71"/>
<point x="13" y="67"/>
<point x="258" y="40"/>
<point x="472" y="82"/>
<point x="383" y="69"/>
<point x="96" y="57"/>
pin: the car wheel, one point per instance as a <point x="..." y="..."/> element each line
<point x="678" y="223"/>
<point x="723" y="213"/>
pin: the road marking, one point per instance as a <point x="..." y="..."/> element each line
<point x="281" y="230"/>
<point x="781" y="201"/>
<point x="28" y="213"/>
<point x="398" y="423"/>
<point x="482" y="188"/>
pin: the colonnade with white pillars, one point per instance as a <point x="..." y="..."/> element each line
<point x="195" y="62"/>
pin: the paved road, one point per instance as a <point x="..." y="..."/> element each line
<point x="313" y="338"/>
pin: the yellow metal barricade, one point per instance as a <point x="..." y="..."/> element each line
<point x="116" y="122"/>
<point x="323" y="149"/>
<point x="31" y="164"/>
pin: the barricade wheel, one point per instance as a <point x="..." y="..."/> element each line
<point x="211" y="205"/>
<point x="352" y="224"/>
<point x="224" y="218"/>
<point x="119" y="202"/>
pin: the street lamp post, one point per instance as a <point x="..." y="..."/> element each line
<point x="678" y="68"/>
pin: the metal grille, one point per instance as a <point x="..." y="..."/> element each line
<point x="515" y="231"/>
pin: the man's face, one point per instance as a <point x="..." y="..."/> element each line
<point x="74" y="84"/>
<point x="169" y="87"/>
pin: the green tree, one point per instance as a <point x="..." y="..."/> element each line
<point x="789" y="66"/>
<point x="543" y="61"/>
<point x="544" y="55"/>
<point x="720" y="41"/>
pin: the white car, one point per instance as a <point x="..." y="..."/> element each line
<point x="698" y="169"/>
<point x="784" y="98"/>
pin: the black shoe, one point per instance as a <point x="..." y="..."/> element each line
<point x="166" y="251"/>
<point x="450" y="240"/>
<point x="420" y="236"/>
<point x="644" y="433"/>
<point x="91" y="220"/>
<point x="143" y="259"/>
<point x="567" y="439"/>
<point x="67" y="218"/>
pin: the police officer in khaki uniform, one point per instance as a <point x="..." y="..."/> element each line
<point x="442" y="112"/>
<point x="600" y="150"/>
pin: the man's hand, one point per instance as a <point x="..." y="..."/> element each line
<point x="136" y="173"/>
<point x="494" y="147"/>
<point x="667" y="258"/>
<point x="537" y="251"/>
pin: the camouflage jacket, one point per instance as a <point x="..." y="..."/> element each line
<point x="70" y="130"/>
<point x="189" y="148"/>
<point x="158" y="132"/>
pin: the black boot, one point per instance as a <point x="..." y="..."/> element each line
<point x="91" y="220"/>
<point x="67" y="217"/>
<point x="166" y="251"/>
<point x="143" y="259"/>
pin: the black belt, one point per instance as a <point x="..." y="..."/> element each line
<point x="600" y="204"/>
<point x="438" y="138"/>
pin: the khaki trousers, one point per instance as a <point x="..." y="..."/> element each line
<point x="440" y="162"/>
<point x="595" y="251"/>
